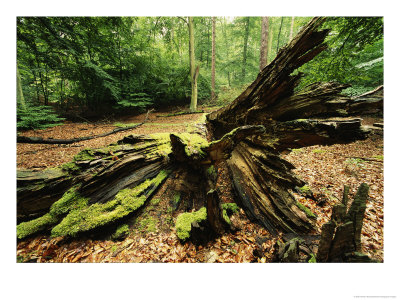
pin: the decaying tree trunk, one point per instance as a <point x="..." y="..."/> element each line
<point x="102" y="186"/>
<point x="341" y="236"/>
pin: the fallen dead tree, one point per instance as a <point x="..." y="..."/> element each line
<point x="39" y="140"/>
<point x="102" y="186"/>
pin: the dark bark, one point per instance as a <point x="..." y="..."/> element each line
<point x="341" y="236"/>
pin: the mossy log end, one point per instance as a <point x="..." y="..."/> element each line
<point x="267" y="118"/>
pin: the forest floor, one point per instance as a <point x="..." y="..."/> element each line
<point x="152" y="237"/>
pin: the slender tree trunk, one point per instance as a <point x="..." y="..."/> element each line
<point x="291" y="29"/>
<point x="208" y="46"/>
<point x="245" y="41"/>
<point x="264" y="43"/>
<point x="193" y="70"/>
<point x="213" y="62"/>
<point x="270" y="36"/>
<point x="20" y="94"/>
<point x="279" y="36"/>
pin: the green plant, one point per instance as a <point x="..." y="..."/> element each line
<point x="312" y="259"/>
<point x="37" y="117"/>
<point x="355" y="161"/>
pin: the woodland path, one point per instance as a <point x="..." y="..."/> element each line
<point x="325" y="168"/>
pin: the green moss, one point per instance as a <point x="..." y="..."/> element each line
<point x="71" y="200"/>
<point x="226" y="217"/>
<point x="98" y="214"/>
<point x="25" y="229"/>
<point x="121" y="232"/>
<point x="162" y="143"/>
<point x="155" y="201"/>
<point x="378" y="157"/>
<point x="230" y="207"/>
<point x="70" y="167"/>
<point x="85" y="154"/>
<point x="148" y="224"/>
<point x="194" y="144"/>
<point x="306" y="210"/>
<point x="305" y="189"/>
<point x="184" y="222"/>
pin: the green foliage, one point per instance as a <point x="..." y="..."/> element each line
<point x="312" y="259"/>
<point x="137" y="101"/>
<point x="355" y="45"/>
<point x="130" y="63"/>
<point x="37" y="117"/>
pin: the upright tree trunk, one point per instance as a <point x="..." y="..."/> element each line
<point x="20" y="94"/>
<point x="264" y="43"/>
<point x="245" y="41"/>
<point x="279" y="36"/>
<point x="291" y="29"/>
<point x="194" y="72"/>
<point x="213" y="61"/>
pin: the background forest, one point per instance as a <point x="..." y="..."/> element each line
<point x="92" y="66"/>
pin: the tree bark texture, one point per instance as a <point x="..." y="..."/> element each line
<point x="213" y="60"/>
<point x="245" y="41"/>
<point x="268" y="117"/>
<point x="264" y="42"/>
<point x="193" y="70"/>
